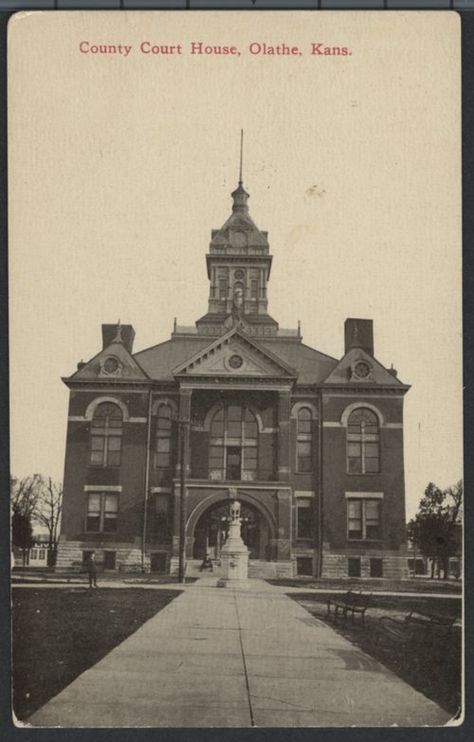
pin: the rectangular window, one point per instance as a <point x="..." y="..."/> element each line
<point x="363" y="519"/>
<point x="304" y="566"/>
<point x="102" y="512"/>
<point x="376" y="567"/>
<point x="109" y="559"/>
<point x="254" y="289"/>
<point x="353" y="567"/>
<point x="93" y="513"/>
<point x="354" y="519"/>
<point x="110" y="513"/>
<point x="222" y="289"/>
<point x="162" y="518"/>
<point x="250" y="458"/>
<point x="234" y="463"/>
<point x="304" y="519"/>
<point x="303" y="456"/>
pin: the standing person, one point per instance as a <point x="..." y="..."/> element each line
<point x="92" y="570"/>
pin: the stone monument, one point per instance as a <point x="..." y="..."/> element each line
<point x="234" y="553"/>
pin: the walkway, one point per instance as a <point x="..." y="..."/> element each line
<point x="237" y="658"/>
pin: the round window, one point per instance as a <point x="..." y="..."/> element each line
<point x="239" y="274"/>
<point x="111" y="365"/>
<point x="235" y="361"/>
<point x="362" y="369"/>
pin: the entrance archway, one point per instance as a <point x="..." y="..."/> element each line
<point x="210" y="531"/>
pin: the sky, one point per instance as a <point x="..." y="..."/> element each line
<point x="121" y="166"/>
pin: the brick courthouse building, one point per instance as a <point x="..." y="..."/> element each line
<point x="311" y="445"/>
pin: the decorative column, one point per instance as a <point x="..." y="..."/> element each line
<point x="284" y="436"/>
<point x="184" y="421"/>
<point x="284" y="526"/>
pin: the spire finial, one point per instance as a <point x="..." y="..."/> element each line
<point x="118" y="337"/>
<point x="241" y="155"/>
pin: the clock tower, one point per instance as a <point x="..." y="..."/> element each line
<point x="238" y="268"/>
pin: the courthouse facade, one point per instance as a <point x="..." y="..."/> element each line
<point x="236" y="406"/>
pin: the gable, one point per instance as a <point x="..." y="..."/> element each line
<point x="235" y="355"/>
<point x="113" y="363"/>
<point x="359" y="368"/>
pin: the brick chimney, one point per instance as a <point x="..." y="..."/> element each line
<point x="359" y="333"/>
<point x="124" y="334"/>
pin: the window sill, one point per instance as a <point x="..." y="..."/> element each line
<point x="365" y="540"/>
<point x="363" y="474"/>
<point x="102" y="466"/>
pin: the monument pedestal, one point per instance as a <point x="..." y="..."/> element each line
<point x="234" y="554"/>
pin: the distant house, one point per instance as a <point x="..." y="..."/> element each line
<point x="37" y="556"/>
<point x="419" y="565"/>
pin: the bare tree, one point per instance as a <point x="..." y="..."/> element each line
<point x="48" y="511"/>
<point x="24" y="496"/>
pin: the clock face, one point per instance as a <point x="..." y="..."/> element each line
<point x="235" y="361"/>
<point x="362" y="369"/>
<point x="111" y="365"/>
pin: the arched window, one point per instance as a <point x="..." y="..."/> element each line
<point x="163" y="437"/>
<point x="304" y="440"/>
<point x="106" y="435"/>
<point x="363" y="449"/>
<point x="233" y="449"/>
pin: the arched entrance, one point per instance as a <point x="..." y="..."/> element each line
<point x="210" y="531"/>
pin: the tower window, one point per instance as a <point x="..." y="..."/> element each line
<point x="223" y="289"/>
<point x="233" y="450"/>
<point x="363" y="442"/>
<point x="254" y="289"/>
<point x="106" y="435"/>
<point x="304" y="440"/>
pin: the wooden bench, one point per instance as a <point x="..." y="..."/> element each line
<point x="355" y="603"/>
<point x="434" y="623"/>
<point x="425" y="629"/>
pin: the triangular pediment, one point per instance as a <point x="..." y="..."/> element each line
<point x="234" y="355"/>
<point x="113" y="363"/>
<point x="359" y="368"/>
<point x="241" y="222"/>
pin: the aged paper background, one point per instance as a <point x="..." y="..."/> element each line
<point x="120" y="166"/>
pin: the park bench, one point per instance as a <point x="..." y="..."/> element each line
<point x="429" y="630"/>
<point x="355" y="603"/>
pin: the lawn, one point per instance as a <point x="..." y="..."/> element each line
<point x="59" y="633"/>
<point x="403" y="586"/>
<point x="433" y="669"/>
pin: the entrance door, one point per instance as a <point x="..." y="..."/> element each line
<point x="158" y="562"/>
<point x="234" y="463"/>
<point x="211" y="531"/>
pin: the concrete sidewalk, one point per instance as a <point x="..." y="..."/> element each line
<point x="237" y="658"/>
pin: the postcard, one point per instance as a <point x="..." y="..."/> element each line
<point x="236" y="369"/>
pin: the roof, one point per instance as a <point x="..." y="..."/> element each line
<point x="160" y="361"/>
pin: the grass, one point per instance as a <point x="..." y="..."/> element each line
<point x="374" y="585"/>
<point x="433" y="669"/>
<point x="59" y="633"/>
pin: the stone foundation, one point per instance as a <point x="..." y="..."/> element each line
<point x="336" y="565"/>
<point x="128" y="558"/>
